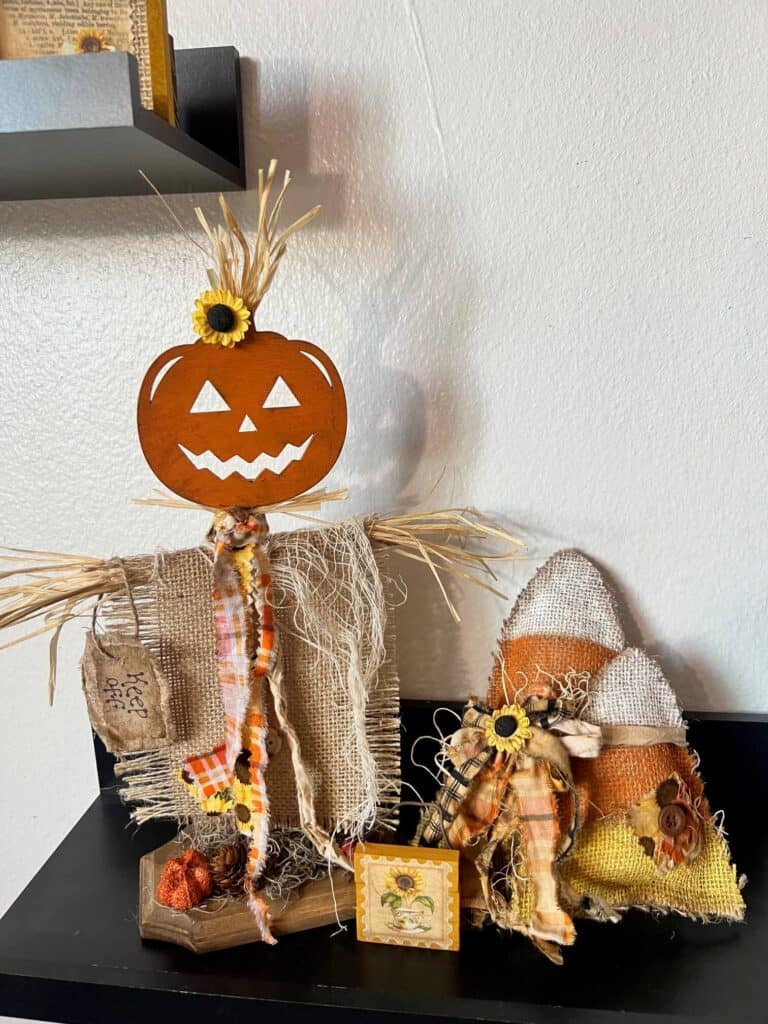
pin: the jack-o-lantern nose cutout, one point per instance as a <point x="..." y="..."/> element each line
<point x="250" y="425"/>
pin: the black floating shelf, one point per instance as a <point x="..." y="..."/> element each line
<point x="74" y="126"/>
<point x="70" y="947"/>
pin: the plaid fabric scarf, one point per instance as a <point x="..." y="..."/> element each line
<point x="231" y="776"/>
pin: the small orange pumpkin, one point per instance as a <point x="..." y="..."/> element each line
<point x="185" y="881"/>
<point x="250" y="425"/>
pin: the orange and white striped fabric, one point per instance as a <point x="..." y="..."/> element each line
<point x="238" y="591"/>
<point x="246" y="650"/>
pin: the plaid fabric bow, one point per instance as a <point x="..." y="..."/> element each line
<point x="470" y="756"/>
<point x="505" y="768"/>
<point x="231" y="776"/>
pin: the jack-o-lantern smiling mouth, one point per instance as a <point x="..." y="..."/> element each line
<point x="223" y="468"/>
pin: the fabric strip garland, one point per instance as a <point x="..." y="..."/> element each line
<point x="231" y="777"/>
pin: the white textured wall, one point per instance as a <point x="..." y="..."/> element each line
<point x="542" y="268"/>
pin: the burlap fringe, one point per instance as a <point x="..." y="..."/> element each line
<point x="352" y="628"/>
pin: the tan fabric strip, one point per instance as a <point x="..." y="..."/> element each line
<point x="642" y="735"/>
<point x="543" y="746"/>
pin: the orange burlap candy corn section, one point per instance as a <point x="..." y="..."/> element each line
<point x="564" y="623"/>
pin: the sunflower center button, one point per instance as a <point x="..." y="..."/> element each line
<point x="505" y="725"/>
<point x="221" y="317"/>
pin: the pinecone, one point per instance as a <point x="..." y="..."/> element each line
<point x="228" y="868"/>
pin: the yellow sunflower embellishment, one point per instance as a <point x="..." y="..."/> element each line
<point x="406" y="883"/>
<point x="220" y="318"/>
<point x="91" y="40"/>
<point x="508" y="729"/>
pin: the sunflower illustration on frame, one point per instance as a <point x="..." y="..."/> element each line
<point x="407" y="897"/>
<point x="91" y="40"/>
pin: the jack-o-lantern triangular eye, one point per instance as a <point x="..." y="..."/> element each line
<point x="209" y="399"/>
<point x="281" y="396"/>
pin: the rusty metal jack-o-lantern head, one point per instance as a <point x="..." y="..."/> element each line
<point x="242" y="418"/>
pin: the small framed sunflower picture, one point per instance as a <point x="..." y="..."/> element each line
<point x="407" y="896"/>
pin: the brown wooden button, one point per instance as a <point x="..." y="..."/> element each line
<point x="273" y="742"/>
<point x="672" y="820"/>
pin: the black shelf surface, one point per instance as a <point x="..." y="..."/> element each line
<point x="74" y="126"/>
<point x="70" y="949"/>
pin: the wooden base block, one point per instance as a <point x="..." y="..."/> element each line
<point x="221" y="924"/>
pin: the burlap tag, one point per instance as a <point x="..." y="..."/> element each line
<point x="128" y="697"/>
<point x="339" y="676"/>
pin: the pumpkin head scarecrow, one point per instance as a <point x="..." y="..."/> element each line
<point x="216" y="721"/>
<point x="239" y="420"/>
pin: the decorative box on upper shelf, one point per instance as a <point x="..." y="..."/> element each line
<point x="74" y="126"/>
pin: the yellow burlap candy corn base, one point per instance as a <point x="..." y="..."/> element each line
<point x="608" y="863"/>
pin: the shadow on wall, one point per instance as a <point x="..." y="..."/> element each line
<point x="430" y="656"/>
<point x="282" y="129"/>
<point x="387" y="423"/>
<point x="442" y="660"/>
<point x="393" y="417"/>
<point x="693" y="683"/>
